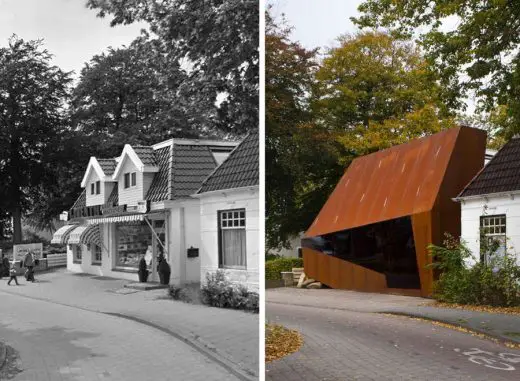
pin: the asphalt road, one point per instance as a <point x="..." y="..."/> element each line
<point x="52" y="342"/>
<point x="345" y="345"/>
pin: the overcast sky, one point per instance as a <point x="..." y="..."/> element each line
<point x="317" y="23"/>
<point x="71" y="32"/>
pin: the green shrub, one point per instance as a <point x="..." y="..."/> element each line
<point x="275" y="267"/>
<point x="218" y="291"/>
<point x="178" y="293"/>
<point x="271" y="257"/>
<point x="494" y="282"/>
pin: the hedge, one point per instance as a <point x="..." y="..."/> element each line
<point x="275" y="267"/>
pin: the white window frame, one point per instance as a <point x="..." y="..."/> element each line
<point x="92" y="188"/>
<point x="494" y="228"/>
<point x="238" y="220"/>
<point x="98" y="187"/>
<point x="133" y="179"/>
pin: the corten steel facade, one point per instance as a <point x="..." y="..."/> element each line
<point x="413" y="182"/>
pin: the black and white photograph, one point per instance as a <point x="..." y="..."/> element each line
<point x="130" y="204"/>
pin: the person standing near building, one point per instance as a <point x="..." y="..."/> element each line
<point x="12" y="275"/>
<point x="28" y="262"/>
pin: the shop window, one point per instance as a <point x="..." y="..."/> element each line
<point x="92" y="188"/>
<point x="132" y="243"/>
<point x="127" y="180"/>
<point x="232" y="239"/>
<point x="77" y="253"/>
<point x="97" y="255"/>
<point x="493" y="236"/>
<point x="98" y="187"/>
<point x="133" y="178"/>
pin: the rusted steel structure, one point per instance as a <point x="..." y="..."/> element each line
<point x="387" y="208"/>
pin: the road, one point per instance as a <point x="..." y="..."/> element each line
<point x="349" y="345"/>
<point x="53" y="342"/>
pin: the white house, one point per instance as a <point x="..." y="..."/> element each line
<point x="229" y="211"/>
<point x="138" y="204"/>
<point x="491" y="202"/>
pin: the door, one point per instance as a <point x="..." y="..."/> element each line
<point x="160" y="234"/>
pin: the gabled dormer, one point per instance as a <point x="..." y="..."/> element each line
<point x="97" y="181"/>
<point x="134" y="173"/>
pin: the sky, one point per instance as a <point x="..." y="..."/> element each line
<point x="71" y="32"/>
<point x="317" y="23"/>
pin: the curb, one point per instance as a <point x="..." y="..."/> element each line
<point x="209" y="351"/>
<point x="3" y="355"/>
<point x="499" y="338"/>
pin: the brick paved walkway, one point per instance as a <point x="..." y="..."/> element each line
<point x="231" y="336"/>
<point x="503" y="326"/>
<point x="59" y="343"/>
<point x="347" y="345"/>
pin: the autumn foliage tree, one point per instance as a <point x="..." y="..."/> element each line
<point x="473" y="47"/>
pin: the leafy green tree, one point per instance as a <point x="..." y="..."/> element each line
<point x="125" y="97"/>
<point x="217" y="40"/>
<point x="33" y="94"/>
<point x="478" y="56"/>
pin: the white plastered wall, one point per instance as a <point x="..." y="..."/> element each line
<point x="472" y="210"/>
<point x="211" y="204"/>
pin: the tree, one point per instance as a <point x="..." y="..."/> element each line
<point x="129" y="96"/>
<point x="295" y="149"/>
<point x="217" y="40"/>
<point x="33" y="94"/>
<point x="479" y="56"/>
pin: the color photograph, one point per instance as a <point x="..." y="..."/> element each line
<point x="392" y="181"/>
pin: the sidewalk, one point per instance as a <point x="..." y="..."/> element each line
<point x="230" y="337"/>
<point x="502" y="326"/>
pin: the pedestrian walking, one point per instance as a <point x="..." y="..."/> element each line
<point x="12" y="275"/>
<point x="4" y="266"/>
<point x="28" y="262"/>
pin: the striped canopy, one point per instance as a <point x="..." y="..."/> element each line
<point x="61" y="235"/>
<point x="85" y="234"/>
<point x="114" y="219"/>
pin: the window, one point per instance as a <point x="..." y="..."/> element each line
<point x="132" y="240"/>
<point x="493" y="236"/>
<point x="92" y="191"/>
<point x="130" y="179"/>
<point x="98" y="187"/>
<point x="77" y="254"/>
<point x="232" y="239"/>
<point x="97" y="255"/>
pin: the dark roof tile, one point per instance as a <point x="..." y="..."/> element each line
<point x="501" y="174"/>
<point x="108" y="166"/>
<point x="240" y="169"/>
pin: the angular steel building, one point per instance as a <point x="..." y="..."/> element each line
<point x="373" y="232"/>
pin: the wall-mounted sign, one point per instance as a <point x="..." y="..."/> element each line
<point x="108" y="210"/>
<point x="141" y="207"/>
<point x="19" y="251"/>
<point x="193" y="252"/>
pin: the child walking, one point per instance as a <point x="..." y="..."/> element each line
<point x="12" y="275"/>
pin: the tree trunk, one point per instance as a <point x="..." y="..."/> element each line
<point x="17" y="225"/>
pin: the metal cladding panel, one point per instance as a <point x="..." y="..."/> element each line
<point x="392" y="183"/>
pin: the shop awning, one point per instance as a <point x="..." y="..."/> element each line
<point x="115" y="219"/>
<point x="85" y="234"/>
<point x="61" y="235"/>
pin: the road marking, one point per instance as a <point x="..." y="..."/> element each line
<point x="491" y="360"/>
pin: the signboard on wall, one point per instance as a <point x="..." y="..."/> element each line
<point x="19" y="251"/>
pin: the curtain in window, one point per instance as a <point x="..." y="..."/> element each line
<point x="234" y="247"/>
